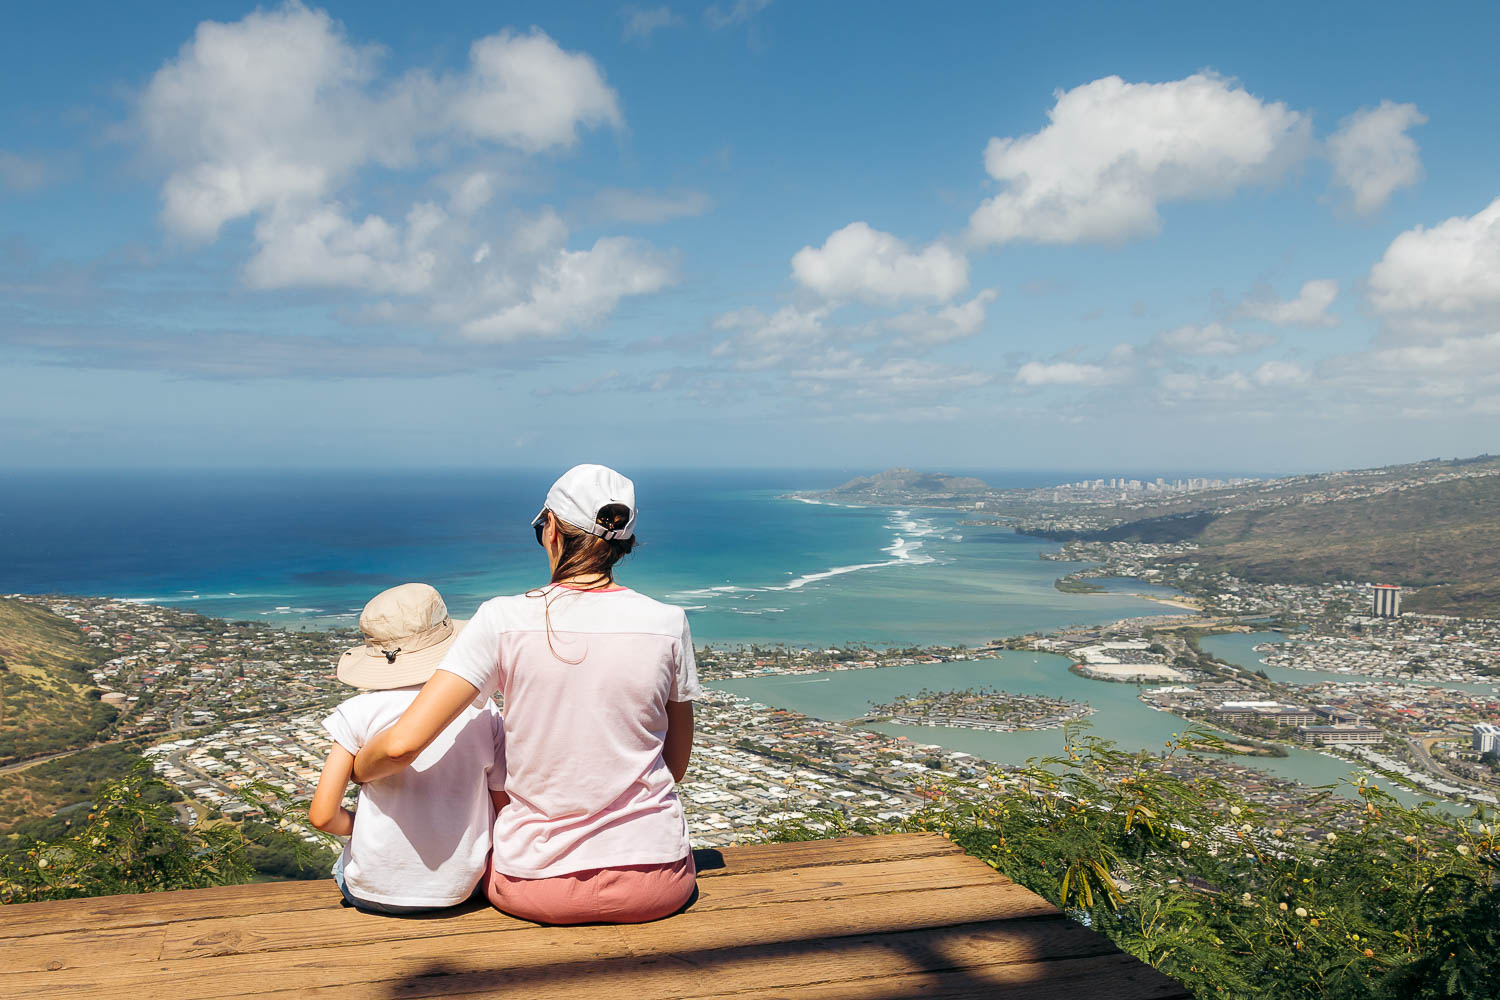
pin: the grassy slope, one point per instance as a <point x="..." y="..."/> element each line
<point x="29" y="798"/>
<point x="1444" y="537"/>
<point x="49" y="701"/>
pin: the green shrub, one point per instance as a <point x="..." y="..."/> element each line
<point x="130" y="842"/>
<point x="1184" y="875"/>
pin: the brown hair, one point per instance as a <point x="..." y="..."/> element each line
<point x="585" y="554"/>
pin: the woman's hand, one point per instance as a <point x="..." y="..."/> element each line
<point x="441" y="700"/>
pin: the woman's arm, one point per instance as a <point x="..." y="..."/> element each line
<point x="441" y="700"/>
<point x="678" y="746"/>
<point x="326" y="811"/>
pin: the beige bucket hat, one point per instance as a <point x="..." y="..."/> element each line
<point x="407" y="633"/>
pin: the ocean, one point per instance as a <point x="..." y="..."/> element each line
<point x="750" y="565"/>
<point x="307" y="549"/>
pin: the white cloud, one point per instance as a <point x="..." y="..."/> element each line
<point x="1274" y="373"/>
<point x="650" y="207"/>
<point x="21" y="173"/>
<point x="719" y="16"/>
<point x="471" y="192"/>
<point x="861" y="263"/>
<point x="643" y="22"/>
<point x="1195" y="386"/>
<point x="1185" y="385"/>
<point x="524" y="91"/>
<point x="281" y="107"/>
<point x="955" y="322"/>
<point x="1036" y="373"/>
<point x="759" y="341"/>
<point x="1309" y="308"/>
<point x="576" y="288"/>
<point x="1208" y="340"/>
<point x="278" y="116"/>
<point x="900" y="375"/>
<point x="323" y="248"/>
<point x="1372" y="155"/>
<point x="1444" y="279"/>
<point x="1114" y="151"/>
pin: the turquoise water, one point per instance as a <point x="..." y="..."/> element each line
<point x="1239" y="648"/>
<point x="309" y="549"/>
<point x="1118" y="715"/>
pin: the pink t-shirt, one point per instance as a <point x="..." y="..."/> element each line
<point x="585" y="721"/>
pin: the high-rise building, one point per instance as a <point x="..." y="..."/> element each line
<point x="1385" y="601"/>
<point x="1486" y="737"/>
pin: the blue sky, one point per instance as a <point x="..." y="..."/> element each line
<point x="749" y="233"/>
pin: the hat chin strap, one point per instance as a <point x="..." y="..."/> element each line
<point x="414" y="643"/>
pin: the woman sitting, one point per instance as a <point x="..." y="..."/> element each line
<point x="598" y="683"/>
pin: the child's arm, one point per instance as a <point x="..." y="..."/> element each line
<point x="326" y="811"/>
<point x="500" y="798"/>
<point x="677" y="749"/>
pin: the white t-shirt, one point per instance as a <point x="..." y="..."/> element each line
<point x="421" y="835"/>
<point x="585" y="721"/>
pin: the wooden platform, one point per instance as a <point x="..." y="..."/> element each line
<point x="867" y="917"/>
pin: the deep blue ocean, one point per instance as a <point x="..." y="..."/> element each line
<point x="307" y="549"/>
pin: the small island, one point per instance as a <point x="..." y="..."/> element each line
<point x="984" y="709"/>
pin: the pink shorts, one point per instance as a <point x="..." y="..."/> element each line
<point x="629" y="894"/>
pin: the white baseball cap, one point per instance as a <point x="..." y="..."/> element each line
<point x="582" y="492"/>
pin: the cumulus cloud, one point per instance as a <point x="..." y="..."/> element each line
<point x="1443" y="279"/>
<point x="278" y="117"/>
<point x="1309" y="308"/>
<point x="1199" y="386"/>
<point x="281" y="106"/>
<point x="323" y="248"/>
<point x="576" y="288"/>
<point x="955" y="322"/>
<point x="1274" y="373"/>
<point x="643" y="22"/>
<point x="1372" y="155"/>
<point x="1037" y="373"/>
<point x="1115" y="151"/>
<point x="649" y="207"/>
<point x="865" y="264"/>
<point x="1208" y="340"/>
<point x="760" y="341"/>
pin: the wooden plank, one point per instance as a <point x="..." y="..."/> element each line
<point x="79" y="950"/>
<point x="335" y="926"/>
<point x="841" y="851"/>
<point x="537" y="948"/>
<point x="1028" y="948"/>
<point x="155" y="908"/>
<point x="1117" y="976"/>
<point x="151" y="909"/>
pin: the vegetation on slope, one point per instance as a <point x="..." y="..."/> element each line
<point x="48" y="700"/>
<point x="41" y="799"/>
<point x="1441" y="538"/>
<point x="126" y="837"/>
<point x="1187" y="877"/>
<point x="1443" y="533"/>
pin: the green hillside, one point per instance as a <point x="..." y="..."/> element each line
<point x="1443" y="538"/>
<point x="47" y="698"/>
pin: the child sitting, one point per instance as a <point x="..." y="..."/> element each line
<point x="420" y="839"/>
